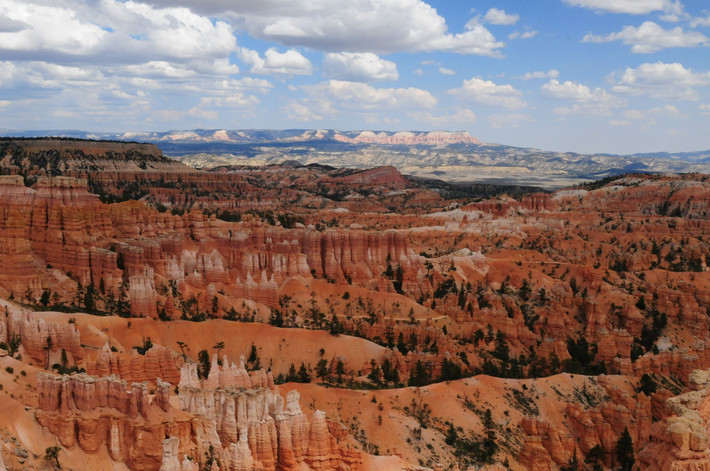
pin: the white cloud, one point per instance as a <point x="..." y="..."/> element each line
<point x="650" y="37"/>
<point x="8" y="25"/>
<point x="500" y="17"/>
<point x="113" y="51"/>
<point x="661" y="80"/>
<point x="585" y="100"/>
<point x="633" y="7"/>
<point x="704" y="109"/>
<point x="552" y="73"/>
<point x="334" y="96"/>
<point x="359" y="67"/>
<point x="29" y="77"/>
<point x="301" y="112"/>
<point x="475" y="40"/>
<point x="111" y="31"/>
<point x="418" y="72"/>
<point x="450" y="121"/>
<point x="524" y="35"/>
<point x="695" y="22"/>
<point x="666" y="111"/>
<point x="232" y="101"/>
<point x="620" y="122"/>
<point x="634" y="114"/>
<point x="486" y="92"/>
<point x="384" y="26"/>
<point x="445" y="71"/>
<point x="290" y="62"/>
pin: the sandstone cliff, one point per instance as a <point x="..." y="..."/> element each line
<point x="235" y="418"/>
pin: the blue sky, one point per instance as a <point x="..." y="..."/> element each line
<point x="616" y="76"/>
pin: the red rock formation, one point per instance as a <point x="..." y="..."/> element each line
<point x="252" y="429"/>
<point x="158" y="362"/>
<point x="243" y="419"/>
<point x="547" y="447"/>
<point x="34" y="333"/>
<point x="387" y="176"/>
<point x="142" y="295"/>
<point x="680" y="442"/>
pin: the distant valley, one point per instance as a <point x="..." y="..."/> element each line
<point x="442" y="155"/>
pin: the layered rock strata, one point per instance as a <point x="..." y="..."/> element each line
<point x="234" y="418"/>
<point x="680" y="442"/>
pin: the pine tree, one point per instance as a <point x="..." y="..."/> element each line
<point x="340" y="371"/>
<point x="596" y="455"/>
<point x="419" y="376"/>
<point x="291" y="376"/>
<point x="303" y="375"/>
<point x="490" y="447"/>
<point x="322" y="370"/>
<point x="203" y="357"/>
<point x="625" y="451"/>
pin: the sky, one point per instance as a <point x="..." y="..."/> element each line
<point x="615" y="76"/>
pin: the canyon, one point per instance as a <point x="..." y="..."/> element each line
<point x="290" y="316"/>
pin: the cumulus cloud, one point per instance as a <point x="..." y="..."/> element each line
<point x="8" y="25"/>
<point x="700" y="21"/>
<point x="290" y="62"/>
<point x="500" y="17"/>
<point x="301" y="112"/>
<point x="359" y="67"/>
<point x="552" y="73"/>
<point x="336" y="98"/>
<point x="451" y="121"/>
<point x="111" y="32"/>
<point x="658" y="111"/>
<point x="584" y="99"/>
<point x="360" y="96"/>
<point x="650" y="37"/>
<point x="524" y="35"/>
<point x="661" y="80"/>
<point x="704" y="109"/>
<point x="32" y="78"/>
<point x="113" y="51"/>
<point x="384" y="26"/>
<point x="445" y="71"/>
<point x="633" y="7"/>
<point x="488" y="93"/>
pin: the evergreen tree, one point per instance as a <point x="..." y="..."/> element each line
<point x="625" y="451"/>
<point x="490" y="447"/>
<point x="375" y="373"/>
<point x="340" y="371"/>
<point x="420" y="375"/>
<point x="335" y="327"/>
<point x="44" y="300"/>
<point x="401" y="346"/>
<point x="253" y="362"/>
<point x="322" y="370"/>
<point x="203" y="370"/>
<point x="291" y="376"/>
<point x="450" y="371"/>
<point x="303" y="375"/>
<point x="594" y="456"/>
<point x="647" y="385"/>
<point x="52" y="454"/>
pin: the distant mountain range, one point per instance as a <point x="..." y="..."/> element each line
<point x="451" y="156"/>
